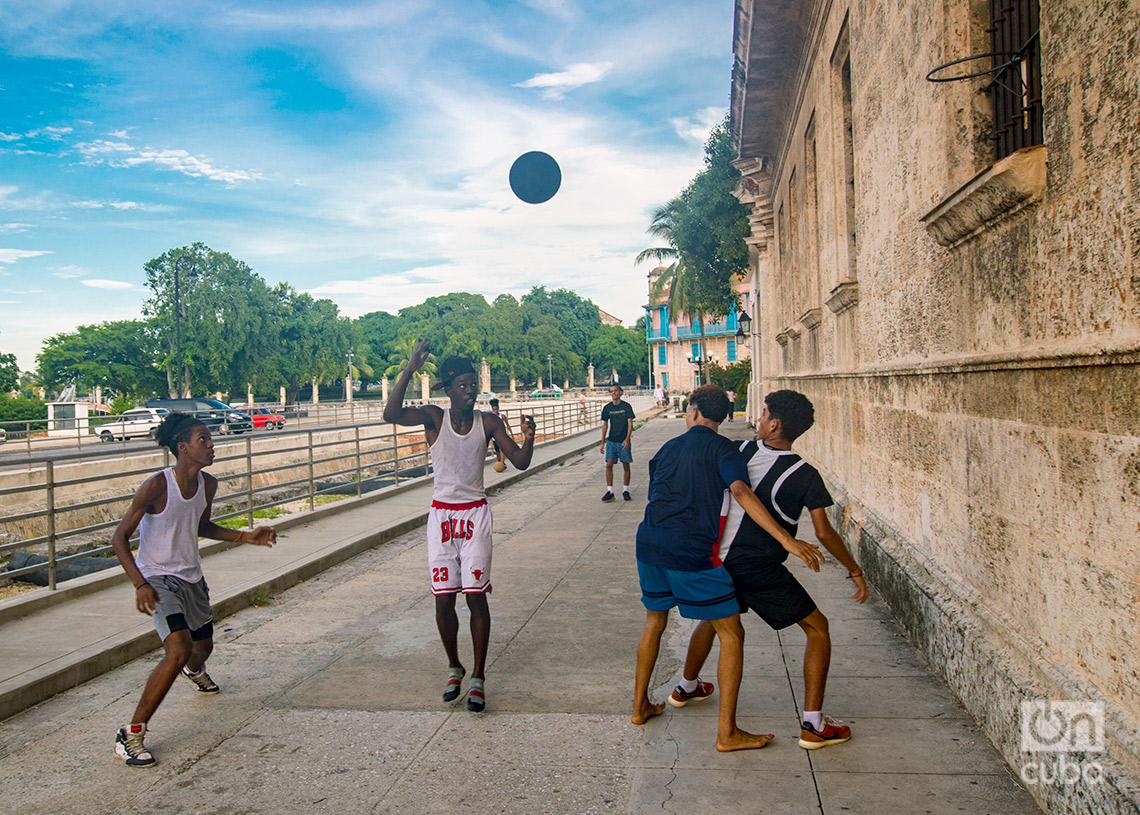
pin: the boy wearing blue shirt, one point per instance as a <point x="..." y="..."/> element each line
<point x="678" y="562"/>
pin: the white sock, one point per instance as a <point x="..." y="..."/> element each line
<point x="609" y="490"/>
<point x="689" y="685"/>
<point x="625" y="488"/>
<point x="814" y="718"/>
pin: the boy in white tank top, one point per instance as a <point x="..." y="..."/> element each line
<point x="171" y="510"/>
<point x="459" y="522"/>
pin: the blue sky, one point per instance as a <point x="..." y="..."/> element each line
<point x="357" y="150"/>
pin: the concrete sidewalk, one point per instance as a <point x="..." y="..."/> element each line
<point x="330" y="697"/>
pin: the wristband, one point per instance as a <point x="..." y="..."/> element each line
<point x="852" y="576"/>
<point x="144" y="583"/>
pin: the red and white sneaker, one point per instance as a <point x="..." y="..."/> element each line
<point x="831" y="733"/>
<point x="679" y="697"/>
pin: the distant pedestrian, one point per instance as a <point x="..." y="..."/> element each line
<point x="583" y="408"/>
<point x="731" y="405"/>
<point x="786" y="485"/>
<point x="171" y="510"/>
<point x="617" y="428"/>
<point x="678" y="562"/>
<point x="499" y="465"/>
<point x="659" y="396"/>
<point x="459" y="521"/>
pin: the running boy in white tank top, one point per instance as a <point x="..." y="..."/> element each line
<point x="459" y="522"/>
<point x="171" y="510"/>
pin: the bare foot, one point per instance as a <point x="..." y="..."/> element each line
<point x="740" y="740"/>
<point x="648" y="712"/>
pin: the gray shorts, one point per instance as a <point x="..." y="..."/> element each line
<point x="183" y="607"/>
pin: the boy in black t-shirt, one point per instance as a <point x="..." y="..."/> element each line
<point x="785" y="484"/>
<point x="617" y="425"/>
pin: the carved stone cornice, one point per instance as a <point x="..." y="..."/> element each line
<point x="792" y="332"/>
<point x="843" y="297"/>
<point x="998" y="191"/>
<point x="811" y="318"/>
<point x="782" y="338"/>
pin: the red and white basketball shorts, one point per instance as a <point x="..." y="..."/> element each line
<point x="459" y="547"/>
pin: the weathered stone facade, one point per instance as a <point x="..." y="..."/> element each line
<point x="969" y="331"/>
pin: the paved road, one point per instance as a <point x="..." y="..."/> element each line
<point x="330" y="698"/>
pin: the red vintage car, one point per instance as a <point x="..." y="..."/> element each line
<point x="264" y="417"/>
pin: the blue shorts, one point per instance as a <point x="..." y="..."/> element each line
<point x="707" y="595"/>
<point x="617" y="451"/>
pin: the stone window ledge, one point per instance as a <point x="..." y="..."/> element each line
<point x="811" y="319"/>
<point x="997" y="192"/>
<point x="843" y="297"/>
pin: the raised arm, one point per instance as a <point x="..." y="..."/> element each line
<point x="394" y="411"/>
<point x="518" y="456"/>
<point x="807" y="552"/>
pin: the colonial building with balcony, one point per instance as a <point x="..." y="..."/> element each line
<point x="675" y="342"/>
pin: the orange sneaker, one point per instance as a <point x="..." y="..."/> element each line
<point x="831" y="733"/>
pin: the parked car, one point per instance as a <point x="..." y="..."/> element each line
<point x="486" y="396"/>
<point x="218" y="416"/>
<point x="546" y="393"/>
<point x="264" y="417"/>
<point x="131" y="424"/>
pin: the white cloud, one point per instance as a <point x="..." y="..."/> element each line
<point x="10" y="136"/>
<point x="696" y="128"/>
<point x="119" y="134"/>
<point x="97" y="283"/>
<point x="557" y="85"/>
<point x="9" y="256"/>
<point x="53" y="133"/>
<point x="120" y="154"/>
<point x="16" y="227"/>
<point x="69" y="271"/>
<point x="111" y="204"/>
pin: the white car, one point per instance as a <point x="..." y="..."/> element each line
<point x="132" y="424"/>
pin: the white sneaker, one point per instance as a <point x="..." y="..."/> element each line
<point x="130" y="748"/>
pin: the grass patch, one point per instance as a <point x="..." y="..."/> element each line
<point x="263" y="514"/>
<point x="260" y="597"/>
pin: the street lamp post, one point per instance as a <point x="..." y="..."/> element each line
<point x="179" y="374"/>
<point x="550" y="368"/>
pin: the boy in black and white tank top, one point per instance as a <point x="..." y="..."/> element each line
<point x="171" y="510"/>
<point x="459" y="522"/>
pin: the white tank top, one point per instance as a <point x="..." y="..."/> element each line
<point x="458" y="462"/>
<point x="168" y="541"/>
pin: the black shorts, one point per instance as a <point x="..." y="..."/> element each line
<point x="770" y="590"/>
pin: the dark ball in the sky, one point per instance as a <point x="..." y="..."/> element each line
<point x="535" y="177"/>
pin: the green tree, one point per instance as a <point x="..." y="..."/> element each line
<point x="118" y="356"/>
<point x="577" y="318"/>
<point x="224" y="316"/>
<point x="622" y="349"/>
<point x="312" y="337"/>
<point x="703" y="232"/>
<point x="401" y="353"/>
<point x="9" y="373"/>
<point x="446" y="321"/>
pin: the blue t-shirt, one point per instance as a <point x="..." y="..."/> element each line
<point x="687" y="480"/>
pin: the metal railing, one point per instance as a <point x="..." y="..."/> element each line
<point x="66" y="500"/>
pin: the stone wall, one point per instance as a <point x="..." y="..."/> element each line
<point x="978" y="407"/>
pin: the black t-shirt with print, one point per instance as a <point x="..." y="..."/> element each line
<point x="619" y="416"/>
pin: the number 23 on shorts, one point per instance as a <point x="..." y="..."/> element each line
<point x="439" y="574"/>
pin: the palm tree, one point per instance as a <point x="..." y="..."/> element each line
<point x="678" y="283"/>
<point x="401" y="353"/>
